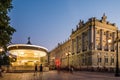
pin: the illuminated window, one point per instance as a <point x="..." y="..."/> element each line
<point x="104" y="33"/>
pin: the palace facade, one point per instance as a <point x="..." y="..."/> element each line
<point x="88" y="46"/>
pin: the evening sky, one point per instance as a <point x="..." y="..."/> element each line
<point x="49" y="22"/>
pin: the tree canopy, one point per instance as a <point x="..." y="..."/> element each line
<point x="6" y="30"/>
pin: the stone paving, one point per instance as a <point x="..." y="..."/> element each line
<point x="54" y="75"/>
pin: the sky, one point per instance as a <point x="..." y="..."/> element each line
<point x="49" y="22"/>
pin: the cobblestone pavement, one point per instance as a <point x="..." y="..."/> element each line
<point x="54" y="75"/>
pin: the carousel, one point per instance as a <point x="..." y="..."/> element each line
<point x="26" y="54"/>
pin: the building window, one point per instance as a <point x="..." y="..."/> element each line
<point x="100" y="60"/>
<point x="112" y="60"/>
<point x="106" y="47"/>
<point x="104" y="33"/>
<point x="106" y="60"/>
<point x="83" y="61"/>
<point x="99" y="47"/>
<point x="110" y="34"/>
<point x="89" y="60"/>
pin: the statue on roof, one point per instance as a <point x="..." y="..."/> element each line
<point x="28" y="41"/>
<point x="104" y="17"/>
<point x="81" y="23"/>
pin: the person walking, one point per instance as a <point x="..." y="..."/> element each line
<point x="41" y="68"/>
<point x="71" y="69"/>
<point x="41" y="72"/>
<point x="35" y="72"/>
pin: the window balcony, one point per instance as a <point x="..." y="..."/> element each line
<point x="99" y="48"/>
<point x="106" y="49"/>
<point x="112" y="50"/>
<point x="84" y="50"/>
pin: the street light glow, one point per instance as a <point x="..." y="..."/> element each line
<point x="1" y="49"/>
<point x="109" y="40"/>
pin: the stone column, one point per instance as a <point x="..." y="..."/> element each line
<point x="82" y="44"/>
<point x="101" y="39"/>
<point x="72" y="46"/>
<point x="77" y="44"/>
<point x="89" y="38"/>
<point x="107" y="37"/>
<point x="113" y="39"/>
<point x="94" y="37"/>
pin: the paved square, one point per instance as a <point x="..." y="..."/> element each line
<point x="55" y="75"/>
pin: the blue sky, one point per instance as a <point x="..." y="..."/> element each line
<point x="49" y="22"/>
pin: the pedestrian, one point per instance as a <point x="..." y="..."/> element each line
<point x="0" y="71"/>
<point x="41" y="68"/>
<point x="35" y="69"/>
<point x="41" y="73"/>
<point x="71" y="69"/>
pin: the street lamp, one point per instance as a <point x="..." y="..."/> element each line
<point x="67" y="54"/>
<point x="117" y="63"/>
<point x="1" y="49"/>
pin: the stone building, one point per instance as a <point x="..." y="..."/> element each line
<point x="60" y="54"/>
<point x="89" y="46"/>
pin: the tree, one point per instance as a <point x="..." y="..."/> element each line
<point x="6" y="31"/>
<point x="6" y="60"/>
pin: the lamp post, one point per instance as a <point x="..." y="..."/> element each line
<point x="117" y="63"/>
<point x="67" y="54"/>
